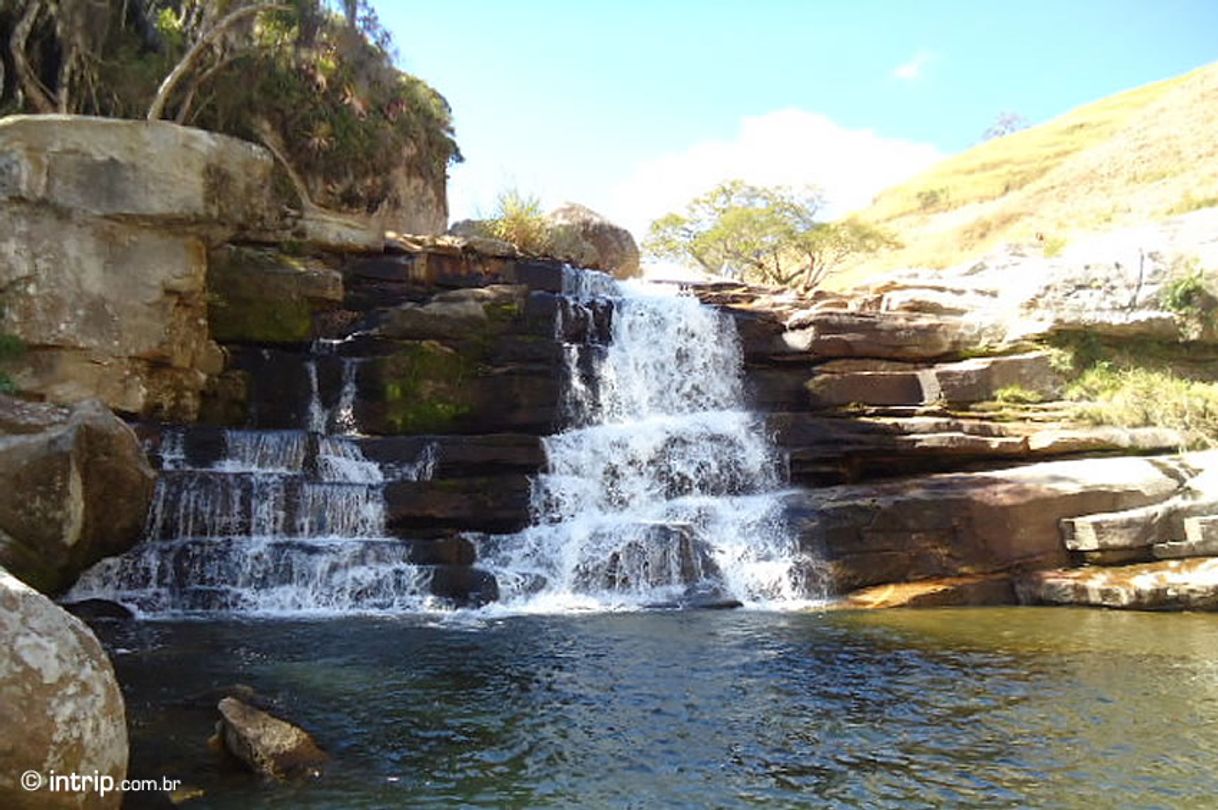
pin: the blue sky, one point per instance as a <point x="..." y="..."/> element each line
<point x="631" y="107"/>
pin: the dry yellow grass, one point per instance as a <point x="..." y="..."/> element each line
<point x="1142" y="154"/>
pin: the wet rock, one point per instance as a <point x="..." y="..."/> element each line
<point x="60" y="704"/>
<point x="72" y="493"/>
<point x="640" y="556"/>
<point x="457" y="315"/>
<point x="98" y="609"/>
<point x="461" y="456"/>
<point x="496" y="504"/>
<point x="1166" y="585"/>
<point x="267" y="744"/>
<point x="261" y="296"/>
<point x="463" y="586"/>
<point x="942" y="592"/>
<point x="706" y="595"/>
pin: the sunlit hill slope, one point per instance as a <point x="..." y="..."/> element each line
<point x="1140" y="155"/>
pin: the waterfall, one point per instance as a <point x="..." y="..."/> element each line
<point x="665" y="490"/>
<point x="283" y="521"/>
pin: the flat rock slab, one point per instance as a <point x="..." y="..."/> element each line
<point x="973" y="380"/>
<point x="1164" y="585"/>
<point x="944" y="592"/>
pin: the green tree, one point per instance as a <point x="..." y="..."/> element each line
<point x="313" y="80"/>
<point x="765" y="234"/>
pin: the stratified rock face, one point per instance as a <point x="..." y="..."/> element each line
<point x="60" y="705"/>
<point x="75" y="487"/>
<point x="957" y="524"/>
<point x="261" y="296"/>
<point x="266" y="744"/>
<point x="1165" y="585"/>
<point x="103" y="254"/>
<point x="106" y="310"/>
<point x="616" y="251"/>
<point x="152" y="172"/>
<point x="415" y="205"/>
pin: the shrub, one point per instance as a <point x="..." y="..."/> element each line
<point x="1054" y="245"/>
<point x="1017" y="395"/>
<point x="1140" y="397"/>
<point x="518" y="219"/>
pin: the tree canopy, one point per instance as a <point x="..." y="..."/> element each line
<point x="314" y="80"/>
<point x="764" y="234"/>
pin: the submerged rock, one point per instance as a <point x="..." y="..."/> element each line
<point x="60" y="706"/>
<point x="265" y="743"/>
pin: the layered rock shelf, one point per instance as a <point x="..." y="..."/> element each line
<point x="925" y="414"/>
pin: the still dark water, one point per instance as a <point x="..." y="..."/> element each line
<point x="982" y="707"/>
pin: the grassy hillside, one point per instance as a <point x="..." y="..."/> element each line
<point x="1142" y="154"/>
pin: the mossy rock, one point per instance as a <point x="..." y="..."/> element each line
<point x="425" y="387"/>
<point x="259" y="296"/>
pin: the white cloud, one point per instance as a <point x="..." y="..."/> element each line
<point x="789" y="147"/>
<point x="912" y="70"/>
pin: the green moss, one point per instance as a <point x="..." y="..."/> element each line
<point x="425" y="387"/>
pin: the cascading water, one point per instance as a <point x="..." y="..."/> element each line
<point x="284" y="521"/>
<point x="665" y="490"/>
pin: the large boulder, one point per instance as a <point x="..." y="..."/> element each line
<point x="75" y="487"/>
<point x="614" y="248"/>
<point x="60" y="706"/>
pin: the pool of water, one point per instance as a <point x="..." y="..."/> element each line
<point x="997" y="707"/>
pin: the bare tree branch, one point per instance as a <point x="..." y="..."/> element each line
<point x="38" y="96"/>
<point x="196" y="53"/>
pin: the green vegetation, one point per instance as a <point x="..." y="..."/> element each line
<point x="1188" y="294"/>
<point x="1069" y="175"/>
<point x="314" y="84"/>
<point x="1017" y="395"/>
<point x="11" y="347"/>
<point x="518" y="219"/>
<point x="1189" y="203"/>
<point x="1138" y="397"/>
<point x="769" y="235"/>
<point x="1054" y="245"/>
<point x="425" y="388"/>
<point x="1143" y="383"/>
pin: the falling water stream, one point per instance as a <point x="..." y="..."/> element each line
<point x="664" y="491"/>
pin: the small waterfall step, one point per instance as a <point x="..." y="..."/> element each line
<point x="273" y="522"/>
